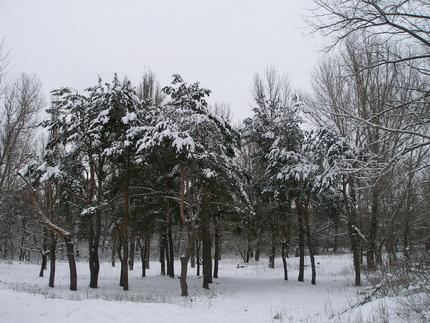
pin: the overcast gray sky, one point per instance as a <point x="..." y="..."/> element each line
<point x="221" y="44"/>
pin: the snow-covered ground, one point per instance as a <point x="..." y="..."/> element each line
<point x="250" y="294"/>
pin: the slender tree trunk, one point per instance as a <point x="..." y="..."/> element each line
<point x="124" y="235"/>
<point x="52" y="259"/>
<point x="167" y="255"/>
<point x="272" y="251"/>
<point x="171" y="263"/>
<point x="44" y="253"/>
<point x="354" y="236"/>
<point x="217" y="248"/>
<point x="299" y="207"/>
<point x="198" y="257"/>
<point x="206" y="239"/>
<point x="310" y="244"/>
<point x="162" y="255"/>
<point x="142" y="255"/>
<point x="284" y="259"/>
<point x="193" y="255"/>
<point x="257" y="248"/>
<point x="147" y="249"/>
<point x="114" y="251"/>
<point x="94" y="226"/>
<point x="132" y="249"/>
<point x="43" y="264"/>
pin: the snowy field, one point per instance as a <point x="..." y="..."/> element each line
<point x="254" y="293"/>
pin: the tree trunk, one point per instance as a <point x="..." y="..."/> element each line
<point x="142" y="255"/>
<point x="72" y="263"/>
<point x="354" y="240"/>
<point x="284" y="259"/>
<point x="354" y="236"/>
<point x="371" y="245"/>
<point x="257" y="248"/>
<point x="184" y="260"/>
<point x="310" y="244"/>
<point x="114" y="250"/>
<point x="248" y="249"/>
<point x="299" y="207"/>
<point x="93" y="250"/>
<point x="193" y="255"/>
<point x="217" y="248"/>
<point x="206" y="239"/>
<point x="147" y="249"/>
<point x="132" y="249"/>
<point x="272" y="251"/>
<point x="52" y="260"/>
<point x="124" y="236"/>
<point x="162" y="255"/>
<point x="171" y="263"/>
<point x="43" y="264"/>
<point x="44" y="253"/>
<point x="198" y="257"/>
<point x="286" y="243"/>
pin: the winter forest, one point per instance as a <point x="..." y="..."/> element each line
<point x="146" y="201"/>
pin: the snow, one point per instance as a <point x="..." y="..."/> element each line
<point x="49" y="172"/>
<point x="250" y="294"/>
<point x="130" y="116"/>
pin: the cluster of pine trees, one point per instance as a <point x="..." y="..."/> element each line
<point x="342" y="167"/>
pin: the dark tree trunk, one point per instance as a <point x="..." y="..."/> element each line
<point x="355" y="247"/>
<point x="142" y="255"/>
<point x="301" y="235"/>
<point x="193" y="255"/>
<point x="72" y="263"/>
<point x="184" y="260"/>
<point x="147" y="249"/>
<point x="114" y="251"/>
<point x="93" y="250"/>
<point x="257" y="248"/>
<point x="284" y="259"/>
<point x="52" y="260"/>
<point x="132" y="250"/>
<point x="44" y="261"/>
<point x="272" y="251"/>
<point x="171" y="263"/>
<point x="206" y="239"/>
<point x="162" y="255"/>
<point x="198" y="257"/>
<point x="248" y="249"/>
<point x="167" y="255"/>
<point x="310" y="244"/>
<point x="217" y="253"/>
<point x="95" y="226"/>
<point x="124" y="236"/>
<point x="44" y="253"/>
